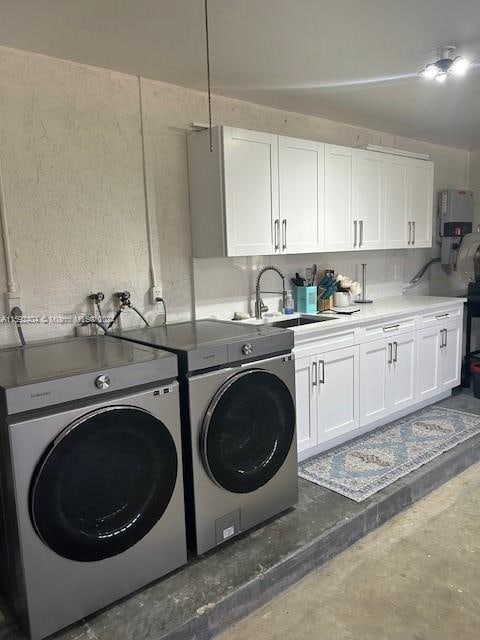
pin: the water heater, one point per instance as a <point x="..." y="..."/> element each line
<point x="455" y="220"/>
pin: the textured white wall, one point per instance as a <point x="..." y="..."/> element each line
<point x="70" y="149"/>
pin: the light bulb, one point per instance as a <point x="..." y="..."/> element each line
<point x="459" y="66"/>
<point x="431" y="71"/>
<point x="441" y="77"/>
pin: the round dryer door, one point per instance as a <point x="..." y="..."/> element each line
<point x="104" y="483"/>
<point x="248" y="431"/>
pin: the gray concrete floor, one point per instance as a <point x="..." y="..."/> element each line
<point x="415" y="578"/>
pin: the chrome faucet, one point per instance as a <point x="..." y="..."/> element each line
<point x="259" y="306"/>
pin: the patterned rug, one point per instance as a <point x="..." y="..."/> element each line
<point x="371" y="462"/>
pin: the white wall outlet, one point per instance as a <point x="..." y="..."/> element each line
<point x="155" y="295"/>
<point x="397" y="272"/>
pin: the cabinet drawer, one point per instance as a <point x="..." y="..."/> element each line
<point x="440" y="316"/>
<point x="387" y="327"/>
<point x="309" y="345"/>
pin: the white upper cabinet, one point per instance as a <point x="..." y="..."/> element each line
<point x="368" y="200"/>
<point x="233" y="192"/>
<point x="263" y="194"/>
<point x="421" y="202"/>
<point x="251" y="191"/>
<point x="396" y="205"/>
<point x="339" y="224"/>
<point x="408" y="185"/>
<point x="300" y="226"/>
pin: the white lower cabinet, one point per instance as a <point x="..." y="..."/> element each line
<point x="307" y="401"/>
<point x="373" y="381"/>
<point x="327" y="396"/>
<point x="402" y="384"/>
<point x="428" y="363"/>
<point x="338" y="401"/>
<point x="439" y="359"/>
<point x="387" y="376"/>
<point x="342" y="390"/>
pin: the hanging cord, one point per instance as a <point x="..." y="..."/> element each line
<point x="100" y="314"/>
<point x="16" y="314"/>
<point x="139" y="313"/>
<point x="115" y="318"/>
<point x="126" y="303"/>
<point x="162" y="302"/>
<point x="209" y="82"/>
<point x="148" y="214"/>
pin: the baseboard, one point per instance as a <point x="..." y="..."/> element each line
<point x="335" y="442"/>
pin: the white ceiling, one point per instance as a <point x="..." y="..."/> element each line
<point x="310" y="56"/>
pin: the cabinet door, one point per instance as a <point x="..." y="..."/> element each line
<point x="428" y="362"/>
<point x="374" y="370"/>
<point x="396" y="206"/>
<point x="301" y="180"/>
<point x="339" y="231"/>
<point x="450" y="356"/>
<point x="251" y="191"/>
<point x="368" y="199"/>
<point x="338" y="407"/>
<point x="421" y="202"/>
<point x="306" y="383"/>
<point x="401" y="383"/>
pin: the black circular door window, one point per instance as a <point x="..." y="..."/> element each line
<point x="248" y="431"/>
<point x="104" y="483"/>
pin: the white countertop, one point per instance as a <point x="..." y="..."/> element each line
<point x="378" y="310"/>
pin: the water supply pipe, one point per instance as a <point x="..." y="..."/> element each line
<point x="12" y="287"/>
<point x="146" y="188"/>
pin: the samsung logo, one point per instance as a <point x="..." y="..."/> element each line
<point x="40" y="395"/>
<point x="209" y="357"/>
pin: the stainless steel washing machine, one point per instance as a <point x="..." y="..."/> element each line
<point x="238" y="413"/>
<point x="91" y="483"/>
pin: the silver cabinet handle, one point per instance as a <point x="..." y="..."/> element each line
<point x="395" y="351"/>
<point x="409" y="233"/>
<point x="360" y="243"/>
<point x="284" y="234"/>
<point x="390" y="358"/>
<point x="314" y="374"/>
<point x="355" y="233"/>
<point x="413" y="226"/>
<point x="443" y="315"/>
<point x="443" y="341"/>
<point x="392" y="327"/>
<point x="277" y="234"/>
<point x="322" y="364"/>
<point x="446" y="337"/>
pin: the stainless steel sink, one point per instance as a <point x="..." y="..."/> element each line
<point x="298" y="322"/>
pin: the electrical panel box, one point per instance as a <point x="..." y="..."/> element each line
<point x="455" y="212"/>
<point x="455" y="220"/>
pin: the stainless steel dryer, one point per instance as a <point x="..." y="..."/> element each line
<point x="238" y="412"/>
<point x="92" y="504"/>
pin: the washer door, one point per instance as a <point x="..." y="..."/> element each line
<point x="248" y="431"/>
<point x="104" y="483"/>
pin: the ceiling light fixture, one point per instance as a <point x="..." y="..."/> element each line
<point x="445" y="66"/>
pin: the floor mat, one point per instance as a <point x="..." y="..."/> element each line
<point x="361" y="467"/>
